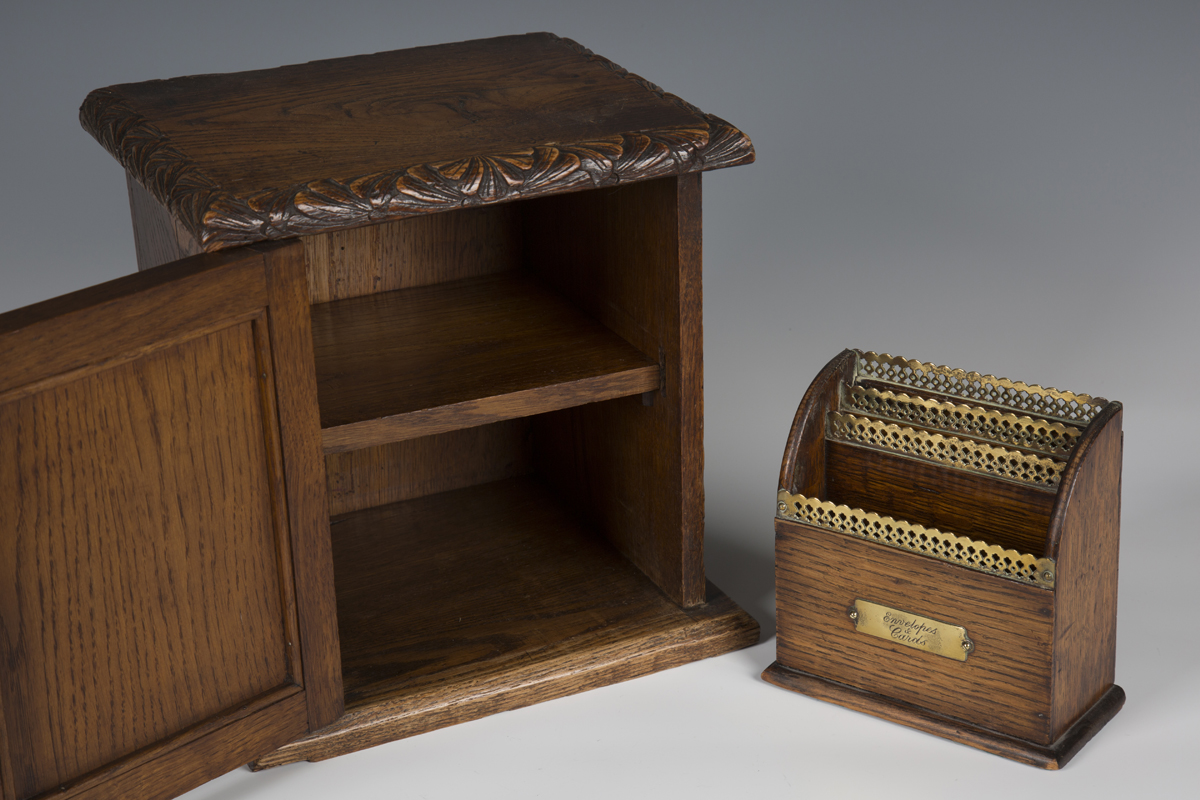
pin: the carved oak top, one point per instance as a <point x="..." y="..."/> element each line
<point x="308" y="148"/>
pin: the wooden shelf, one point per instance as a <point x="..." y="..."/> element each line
<point x="431" y="359"/>
<point x="465" y="603"/>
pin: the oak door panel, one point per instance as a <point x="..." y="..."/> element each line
<point x="147" y="598"/>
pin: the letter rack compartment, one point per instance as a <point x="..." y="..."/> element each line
<point x="946" y="554"/>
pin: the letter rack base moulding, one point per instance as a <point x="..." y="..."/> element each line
<point x="946" y="555"/>
<point x="1052" y="756"/>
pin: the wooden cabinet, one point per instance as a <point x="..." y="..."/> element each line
<point x="437" y="456"/>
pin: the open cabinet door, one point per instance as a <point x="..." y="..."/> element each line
<point x="166" y="587"/>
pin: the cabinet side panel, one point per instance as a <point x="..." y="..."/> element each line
<point x="132" y="606"/>
<point x="1085" y="642"/>
<point x="1004" y="683"/>
<point x="416" y="251"/>
<point x="157" y="236"/>
<point x="631" y="258"/>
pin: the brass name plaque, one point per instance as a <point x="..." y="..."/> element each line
<point x="911" y="630"/>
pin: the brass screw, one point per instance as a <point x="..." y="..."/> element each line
<point x="968" y="646"/>
<point x="1047" y="575"/>
<point x="854" y="615"/>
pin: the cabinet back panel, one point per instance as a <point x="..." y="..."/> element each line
<point x="981" y="507"/>
<point x="389" y="473"/>
<point x="131" y="605"/>
<point x="416" y="251"/>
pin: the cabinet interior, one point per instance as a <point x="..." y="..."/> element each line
<point x="500" y="404"/>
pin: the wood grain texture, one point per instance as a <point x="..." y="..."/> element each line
<point x="803" y="468"/>
<point x="141" y="569"/>
<point x="1083" y="459"/>
<point x="1053" y="756"/>
<point x="403" y="470"/>
<point x="1088" y="540"/>
<point x="158" y="237"/>
<point x="125" y="318"/>
<point x="307" y="506"/>
<point x="147" y="592"/>
<point x="635" y="265"/>
<point x="436" y="358"/>
<point x="181" y="769"/>
<point x="390" y="473"/>
<point x="416" y="251"/>
<point x="953" y="500"/>
<point x="336" y="144"/>
<point x="1005" y="681"/>
<point x="467" y="603"/>
<point x="198" y="755"/>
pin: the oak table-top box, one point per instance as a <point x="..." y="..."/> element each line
<point x="436" y="453"/>
<point x="946" y="554"/>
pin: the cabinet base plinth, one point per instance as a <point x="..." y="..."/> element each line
<point x="1052" y="756"/>
<point x="685" y="635"/>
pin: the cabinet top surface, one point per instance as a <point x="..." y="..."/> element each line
<point x="329" y="145"/>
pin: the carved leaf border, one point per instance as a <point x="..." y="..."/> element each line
<point x="219" y="219"/>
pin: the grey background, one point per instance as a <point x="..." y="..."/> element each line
<point x="1008" y="187"/>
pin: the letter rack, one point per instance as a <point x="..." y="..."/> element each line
<point x="946" y="554"/>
